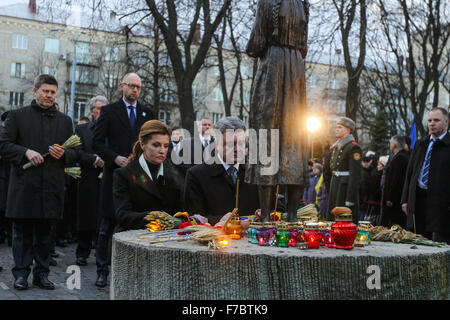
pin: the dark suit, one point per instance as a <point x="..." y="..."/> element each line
<point x="193" y="144"/>
<point x="395" y="178"/>
<point x="135" y="194"/>
<point x="210" y="192"/>
<point x="88" y="191"/>
<point x="113" y="136"/>
<point x="430" y="207"/>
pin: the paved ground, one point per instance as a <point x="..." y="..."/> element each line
<point x="58" y="275"/>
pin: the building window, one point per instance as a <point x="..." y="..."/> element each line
<point x="165" y="116"/>
<point x="86" y="75"/>
<point x="20" y="41"/>
<point x="194" y="92"/>
<point x="82" y="52"/>
<point x="140" y="57"/>
<point x="17" y="70"/>
<point x="341" y="107"/>
<point x="430" y="97"/>
<point x="111" y="80"/>
<point x="16" y="98"/>
<point x="112" y="54"/>
<point x="217" y="94"/>
<point x="245" y="74"/>
<point x="334" y="83"/>
<point x="80" y="109"/>
<point x="167" y="92"/>
<point x="216" y="117"/>
<point x="51" y="45"/>
<point x="312" y="81"/>
<point x="51" y="71"/>
<point x="246" y="96"/>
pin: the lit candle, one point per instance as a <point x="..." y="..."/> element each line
<point x="313" y="235"/>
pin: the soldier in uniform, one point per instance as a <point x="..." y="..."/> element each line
<point x="345" y="164"/>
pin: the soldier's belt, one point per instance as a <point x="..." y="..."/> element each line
<point x="341" y="173"/>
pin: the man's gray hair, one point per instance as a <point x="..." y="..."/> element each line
<point x="229" y="123"/>
<point x="96" y="99"/>
<point x="399" y="141"/>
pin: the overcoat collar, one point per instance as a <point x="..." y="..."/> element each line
<point x="342" y="142"/>
<point x="141" y="179"/>
<point x="121" y="110"/>
<point x="217" y="169"/>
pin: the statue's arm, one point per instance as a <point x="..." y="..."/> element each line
<point x="304" y="45"/>
<point x="258" y="41"/>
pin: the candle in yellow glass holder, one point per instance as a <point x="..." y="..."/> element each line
<point x="234" y="228"/>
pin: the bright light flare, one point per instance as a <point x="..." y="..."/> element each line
<point x="313" y="124"/>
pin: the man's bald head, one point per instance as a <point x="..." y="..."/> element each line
<point x="131" y="87"/>
<point x="131" y="75"/>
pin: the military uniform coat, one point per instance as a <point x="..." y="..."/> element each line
<point x="113" y="136"/>
<point x="89" y="183"/>
<point x="344" y="189"/>
<point x="38" y="192"/>
<point x="438" y="192"/>
<point x="135" y="194"/>
<point x="278" y="95"/>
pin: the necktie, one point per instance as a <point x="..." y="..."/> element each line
<point x="426" y="164"/>
<point x="206" y="143"/>
<point x="232" y="172"/>
<point x="132" y="117"/>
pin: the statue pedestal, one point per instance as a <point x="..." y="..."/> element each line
<point x="185" y="270"/>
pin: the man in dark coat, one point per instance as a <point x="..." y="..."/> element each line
<point x="345" y="164"/>
<point x="89" y="184"/>
<point x="426" y="192"/>
<point x="192" y="149"/>
<point x="36" y="195"/>
<point x="5" y="224"/>
<point x="395" y="178"/>
<point x="210" y="189"/>
<point x="115" y="132"/>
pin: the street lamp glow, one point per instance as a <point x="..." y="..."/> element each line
<point x="313" y="124"/>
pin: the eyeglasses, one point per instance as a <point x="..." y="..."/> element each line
<point x="132" y="86"/>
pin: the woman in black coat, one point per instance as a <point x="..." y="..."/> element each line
<point x="148" y="182"/>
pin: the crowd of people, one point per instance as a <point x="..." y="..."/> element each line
<point x="408" y="187"/>
<point x="130" y="165"/>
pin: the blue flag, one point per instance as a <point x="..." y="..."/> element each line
<point x="413" y="132"/>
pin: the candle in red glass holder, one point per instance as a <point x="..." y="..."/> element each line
<point x="344" y="232"/>
<point x="312" y="235"/>
<point x="263" y="236"/>
<point x="328" y="239"/>
<point x="293" y="234"/>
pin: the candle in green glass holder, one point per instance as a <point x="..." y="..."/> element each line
<point x="283" y="235"/>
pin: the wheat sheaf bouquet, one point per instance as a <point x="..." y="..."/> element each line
<point x="72" y="142"/>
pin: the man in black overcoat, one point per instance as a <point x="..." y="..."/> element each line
<point x="5" y="224"/>
<point x="395" y="178"/>
<point x="210" y="189"/>
<point x="115" y="132"/>
<point x="89" y="183"/>
<point x="192" y="149"/>
<point x="426" y="192"/>
<point x="36" y="195"/>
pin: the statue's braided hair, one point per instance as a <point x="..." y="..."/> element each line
<point x="276" y="14"/>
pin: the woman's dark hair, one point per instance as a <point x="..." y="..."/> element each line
<point x="148" y="129"/>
